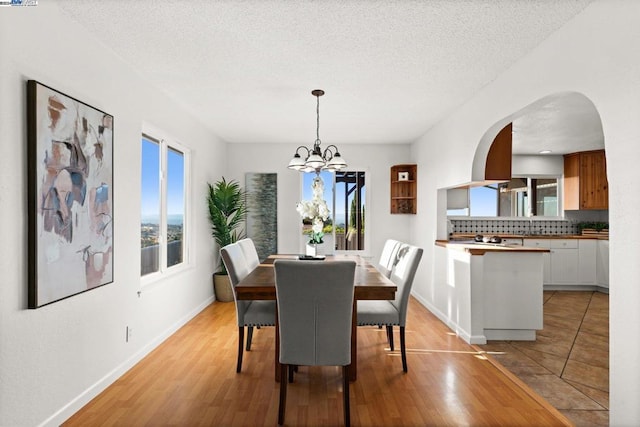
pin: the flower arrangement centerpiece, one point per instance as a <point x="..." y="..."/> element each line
<point x="316" y="211"/>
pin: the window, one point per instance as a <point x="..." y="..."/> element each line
<point x="163" y="204"/>
<point x="519" y="197"/>
<point x="344" y="192"/>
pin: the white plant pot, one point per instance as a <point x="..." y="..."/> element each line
<point x="312" y="249"/>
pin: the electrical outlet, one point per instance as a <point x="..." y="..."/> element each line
<point x="129" y="334"/>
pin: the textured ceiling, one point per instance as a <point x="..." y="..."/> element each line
<point x="567" y="123"/>
<point x="390" y="69"/>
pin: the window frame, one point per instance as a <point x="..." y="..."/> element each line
<point x="332" y="204"/>
<point x="167" y="142"/>
<point x="529" y="178"/>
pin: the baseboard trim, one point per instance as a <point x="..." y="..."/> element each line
<point x="95" y="389"/>
<point x="466" y="336"/>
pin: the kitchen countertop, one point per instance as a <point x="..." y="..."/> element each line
<point x="481" y="248"/>
<point x="467" y="236"/>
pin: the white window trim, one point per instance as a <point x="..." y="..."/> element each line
<point x="166" y="140"/>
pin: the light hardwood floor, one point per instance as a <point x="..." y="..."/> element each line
<point x="190" y="380"/>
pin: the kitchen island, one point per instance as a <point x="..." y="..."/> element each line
<point x="490" y="291"/>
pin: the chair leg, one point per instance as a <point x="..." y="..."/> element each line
<point x="403" y="350"/>
<point x="390" y="336"/>
<point x="283" y="393"/>
<point x="249" y="337"/>
<point x="292" y="368"/>
<point x="345" y="395"/>
<point x="240" y="346"/>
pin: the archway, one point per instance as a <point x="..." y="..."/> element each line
<point x="562" y="123"/>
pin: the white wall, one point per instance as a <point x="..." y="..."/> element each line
<point x="55" y="358"/>
<point x="537" y="165"/>
<point x="589" y="55"/>
<point x="376" y="159"/>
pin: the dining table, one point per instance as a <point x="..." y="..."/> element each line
<point x="369" y="284"/>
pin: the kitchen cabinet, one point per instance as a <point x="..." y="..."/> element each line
<point x="512" y="241"/>
<point x="587" y="264"/>
<point x="573" y="262"/>
<point x="602" y="261"/>
<point x="564" y="261"/>
<point x="585" y="181"/>
<point x="404" y="180"/>
<point x="498" y="163"/>
<point x="546" y="257"/>
<point x="491" y="294"/>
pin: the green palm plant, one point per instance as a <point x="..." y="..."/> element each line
<point x="227" y="212"/>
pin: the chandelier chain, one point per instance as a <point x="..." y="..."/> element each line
<point x="317" y="118"/>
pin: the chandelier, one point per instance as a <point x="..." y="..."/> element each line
<point x="316" y="159"/>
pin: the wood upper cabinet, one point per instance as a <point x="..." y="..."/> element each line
<point x="585" y="181"/>
<point x="404" y="194"/>
<point x="498" y="164"/>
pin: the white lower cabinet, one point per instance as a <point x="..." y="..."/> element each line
<point x="602" y="268"/>
<point x="546" y="257"/>
<point x="564" y="261"/>
<point x="512" y="241"/>
<point x="587" y="261"/>
<point x="574" y="262"/>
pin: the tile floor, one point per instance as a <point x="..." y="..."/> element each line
<point x="568" y="364"/>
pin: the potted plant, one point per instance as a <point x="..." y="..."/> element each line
<point x="593" y="227"/>
<point x="227" y="212"/>
<point x="314" y="212"/>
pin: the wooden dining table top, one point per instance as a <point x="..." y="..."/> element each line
<point x="370" y="284"/>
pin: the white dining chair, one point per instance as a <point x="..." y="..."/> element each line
<point x="394" y="313"/>
<point x="388" y="256"/>
<point x="315" y="309"/>
<point x="250" y="252"/>
<point x="249" y="314"/>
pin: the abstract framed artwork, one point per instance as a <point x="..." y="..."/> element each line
<point x="70" y="195"/>
<point x="262" y="216"/>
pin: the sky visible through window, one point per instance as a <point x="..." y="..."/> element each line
<point x="483" y="201"/>
<point x="150" y="200"/>
<point x="327" y="178"/>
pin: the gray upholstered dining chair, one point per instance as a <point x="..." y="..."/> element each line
<point x="248" y="313"/>
<point x="394" y="313"/>
<point x="250" y="252"/>
<point x="388" y="256"/>
<point x="315" y="309"/>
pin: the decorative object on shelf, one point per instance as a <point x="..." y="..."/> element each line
<point x="70" y="196"/>
<point x="317" y="160"/>
<point x="405" y="206"/>
<point x="314" y="212"/>
<point x="403" y="176"/>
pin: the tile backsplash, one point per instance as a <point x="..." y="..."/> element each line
<point x="492" y="226"/>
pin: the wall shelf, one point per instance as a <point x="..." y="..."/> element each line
<point x="404" y="193"/>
